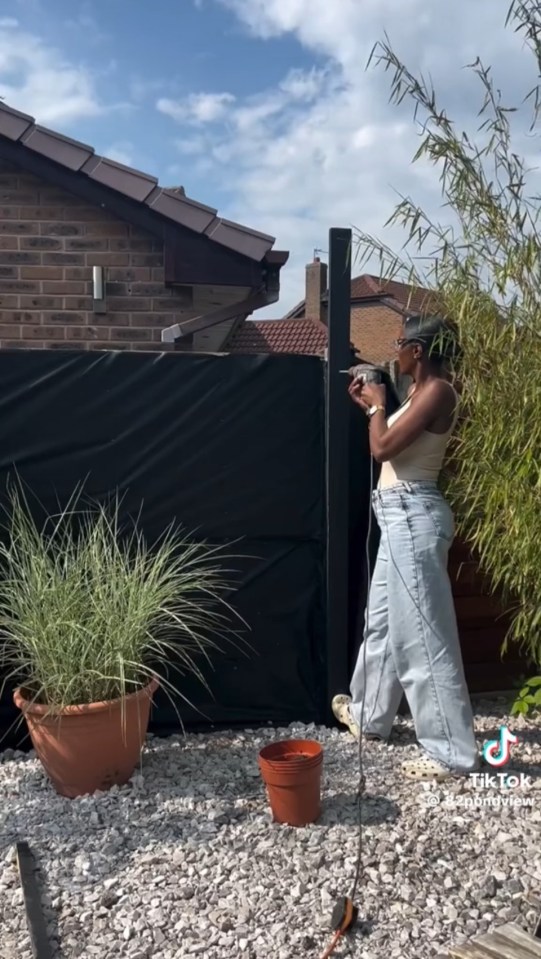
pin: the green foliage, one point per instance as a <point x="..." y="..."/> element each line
<point x="484" y="269"/>
<point x="529" y="698"/>
<point x="89" y="612"/>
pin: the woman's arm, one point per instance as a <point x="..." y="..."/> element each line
<point x="386" y="442"/>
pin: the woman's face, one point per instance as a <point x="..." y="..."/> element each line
<point x="406" y="351"/>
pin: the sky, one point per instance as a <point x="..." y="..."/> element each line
<point x="264" y="109"/>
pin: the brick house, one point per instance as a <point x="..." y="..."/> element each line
<point x="378" y="308"/>
<point x="377" y="312"/>
<point x="95" y="255"/>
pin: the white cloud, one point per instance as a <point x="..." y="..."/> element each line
<point x="143" y="88"/>
<point x="86" y="23"/>
<point x="121" y="153"/>
<point x="191" y="146"/>
<point x="198" y="107"/>
<point x="303" y="85"/>
<point x="37" y="79"/>
<point x="324" y="147"/>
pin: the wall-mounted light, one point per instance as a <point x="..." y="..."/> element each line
<point x="98" y="290"/>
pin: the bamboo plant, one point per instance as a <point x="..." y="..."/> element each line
<point x="484" y="270"/>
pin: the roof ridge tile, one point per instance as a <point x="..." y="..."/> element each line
<point x="138" y="186"/>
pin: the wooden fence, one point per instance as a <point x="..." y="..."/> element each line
<point x="483" y="622"/>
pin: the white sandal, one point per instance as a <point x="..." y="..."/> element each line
<point x="425" y="769"/>
<point x="341" y="709"/>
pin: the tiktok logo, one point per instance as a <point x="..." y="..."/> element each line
<point x="497" y="751"/>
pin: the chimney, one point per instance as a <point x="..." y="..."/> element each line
<point x="316" y="286"/>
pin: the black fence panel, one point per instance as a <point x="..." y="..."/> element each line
<point x="229" y="447"/>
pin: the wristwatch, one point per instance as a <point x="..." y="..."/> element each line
<point x="374" y="409"/>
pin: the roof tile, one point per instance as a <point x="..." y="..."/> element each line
<point x="70" y="153"/>
<point x="239" y="238"/>
<point x="278" y="336"/>
<point x="406" y="296"/>
<point x="124" y="179"/>
<point x="141" y="187"/>
<point x="13" y="123"/>
<point x="179" y="208"/>
<point x="371" y="288"/>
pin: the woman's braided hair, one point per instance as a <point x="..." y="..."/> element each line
<point x="438" y="336"/>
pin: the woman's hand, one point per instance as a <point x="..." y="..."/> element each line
<point x="367" y="395"/>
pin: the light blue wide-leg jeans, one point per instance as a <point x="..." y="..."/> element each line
<point x="412" y="643"/>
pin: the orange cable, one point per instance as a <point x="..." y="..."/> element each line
<point x="333" y="945"/>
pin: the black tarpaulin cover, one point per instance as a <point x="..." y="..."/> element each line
<point x="229" y="447"/>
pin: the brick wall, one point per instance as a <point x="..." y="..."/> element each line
<point x="49" y="242"/>
<point x="373" y="330"/>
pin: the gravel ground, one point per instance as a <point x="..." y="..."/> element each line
<point x="185" y="860"/>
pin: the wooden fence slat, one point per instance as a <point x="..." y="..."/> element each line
<point x="516" y="937"/>
<point x="479" y="608"/>
<point x="490" y="677"/>
<point x="468" y="951"/>
<point x="483" y="623"/>
<point x="507" y="942"/>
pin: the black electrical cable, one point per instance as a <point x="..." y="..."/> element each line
<point x="345" y="912"/>
<point x="361" y="781"/>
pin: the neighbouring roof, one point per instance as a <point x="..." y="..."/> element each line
<point x="172" y="204"/>
<point x="278" y="336"/>
<point x="368" y="288"/>
<point x="413" y="299"/>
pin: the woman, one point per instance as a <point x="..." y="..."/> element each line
<point x="411" y="641"/>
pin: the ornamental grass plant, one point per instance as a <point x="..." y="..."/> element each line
<point x="91" y="612"/>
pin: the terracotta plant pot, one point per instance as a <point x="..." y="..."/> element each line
<point x="291" y="771"/>
<point x="89" y="747"/>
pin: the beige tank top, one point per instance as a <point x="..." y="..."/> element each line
<point x="422" y="460"/>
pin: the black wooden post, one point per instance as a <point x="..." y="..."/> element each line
<point x="337" y="465"/>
